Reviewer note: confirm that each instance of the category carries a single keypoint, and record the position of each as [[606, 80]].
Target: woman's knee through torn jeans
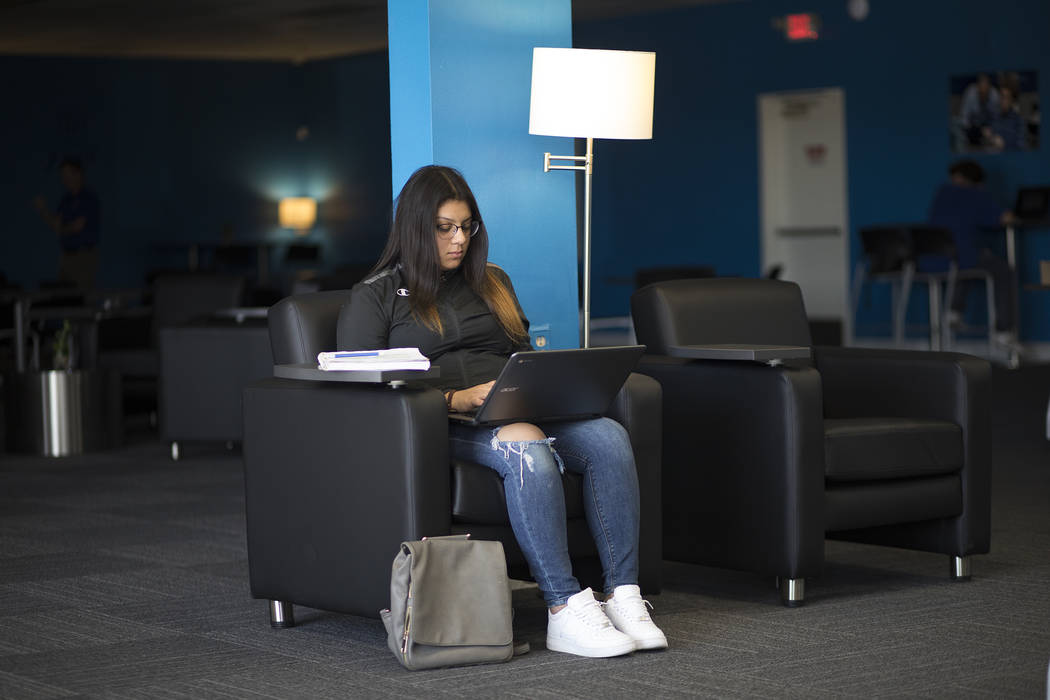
[[600, 451]]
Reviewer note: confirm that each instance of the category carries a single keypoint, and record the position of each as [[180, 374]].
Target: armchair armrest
[[861, 382], [739, 351], [337, 475], [637, 407], [946, 386], [743, 482]]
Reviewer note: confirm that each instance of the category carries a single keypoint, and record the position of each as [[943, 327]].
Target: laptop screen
[[556, 384]]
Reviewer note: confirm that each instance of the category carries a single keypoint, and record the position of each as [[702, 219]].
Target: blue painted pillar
[[460, 74]]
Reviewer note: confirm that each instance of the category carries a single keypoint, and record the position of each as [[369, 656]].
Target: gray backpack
[[449, 603]]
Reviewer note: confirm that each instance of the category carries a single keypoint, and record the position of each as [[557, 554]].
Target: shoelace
[[630, 602], [594, 616]]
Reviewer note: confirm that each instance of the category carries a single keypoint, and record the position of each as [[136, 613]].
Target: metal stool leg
[[935, 314], [949, 299], [900, 311], [989, 294], [857, 290]]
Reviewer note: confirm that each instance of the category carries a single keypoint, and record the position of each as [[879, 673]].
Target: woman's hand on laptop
[[466, 400]]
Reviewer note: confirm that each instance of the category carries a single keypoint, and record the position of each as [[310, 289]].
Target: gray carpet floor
[[124, 575]]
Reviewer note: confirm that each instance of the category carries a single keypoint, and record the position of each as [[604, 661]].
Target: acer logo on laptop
[[508, 388]]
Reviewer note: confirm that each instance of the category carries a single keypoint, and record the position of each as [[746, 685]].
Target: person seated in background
[[963, 206], [1007, 130], [76, 221], [434, 288]]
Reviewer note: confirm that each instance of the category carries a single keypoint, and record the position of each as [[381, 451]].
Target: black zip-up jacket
[[473, 348]]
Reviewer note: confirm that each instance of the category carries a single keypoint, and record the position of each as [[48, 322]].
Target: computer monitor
[[1033, 204]]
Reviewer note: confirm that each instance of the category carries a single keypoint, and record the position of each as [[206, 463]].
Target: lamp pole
[[588, 171], [590, 93]]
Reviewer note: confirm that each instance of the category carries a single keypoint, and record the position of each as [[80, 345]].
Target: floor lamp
[[591, 94]]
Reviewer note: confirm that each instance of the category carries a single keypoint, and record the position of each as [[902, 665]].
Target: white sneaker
[[626, 610], [582, 628]]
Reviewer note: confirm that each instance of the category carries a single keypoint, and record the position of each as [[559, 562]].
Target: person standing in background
[[76, 220]]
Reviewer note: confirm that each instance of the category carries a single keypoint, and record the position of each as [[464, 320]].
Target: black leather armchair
[[761, 462], [337, 475]]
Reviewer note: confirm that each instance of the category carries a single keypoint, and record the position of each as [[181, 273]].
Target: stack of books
[[372, 360]]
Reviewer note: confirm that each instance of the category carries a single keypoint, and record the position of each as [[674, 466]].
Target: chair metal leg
[[989, 292], [949, 298], [935, 314], [792, 591], [857, 290], [895, 303], [900, 312], [174, 451], [282, 614], [960, 568], [1048, 420]]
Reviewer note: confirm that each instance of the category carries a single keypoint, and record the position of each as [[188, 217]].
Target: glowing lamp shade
[[299, 213], [590, 93]]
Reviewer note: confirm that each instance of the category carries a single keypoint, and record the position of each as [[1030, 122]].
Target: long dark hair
[[412, 243]]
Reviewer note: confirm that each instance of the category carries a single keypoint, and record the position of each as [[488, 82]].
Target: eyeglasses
[[448, 230]]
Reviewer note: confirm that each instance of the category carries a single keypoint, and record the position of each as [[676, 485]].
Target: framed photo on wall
[[994, 111]]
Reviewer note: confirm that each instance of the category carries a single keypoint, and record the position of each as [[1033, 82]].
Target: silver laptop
[[552, 385]]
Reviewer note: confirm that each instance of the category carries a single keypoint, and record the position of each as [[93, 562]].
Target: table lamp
[[299, 213], [590, 93]]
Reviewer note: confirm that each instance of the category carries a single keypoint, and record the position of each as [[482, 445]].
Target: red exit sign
[[804, 26]]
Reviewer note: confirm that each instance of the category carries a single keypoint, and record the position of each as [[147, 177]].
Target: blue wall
[[460, 75], [178, 150], [691, 194], [185, 151]]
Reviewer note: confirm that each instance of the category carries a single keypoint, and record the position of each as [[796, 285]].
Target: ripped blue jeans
[[600, 451]]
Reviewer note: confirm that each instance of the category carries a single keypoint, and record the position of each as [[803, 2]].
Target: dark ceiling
[[273, 30]]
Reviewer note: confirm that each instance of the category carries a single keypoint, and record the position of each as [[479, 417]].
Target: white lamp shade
[[299, 213], [592, 93]]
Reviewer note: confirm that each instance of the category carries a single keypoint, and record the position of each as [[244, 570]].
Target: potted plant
[[62, 348]]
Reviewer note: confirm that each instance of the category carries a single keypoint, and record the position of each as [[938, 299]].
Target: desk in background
[[87, 307]]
